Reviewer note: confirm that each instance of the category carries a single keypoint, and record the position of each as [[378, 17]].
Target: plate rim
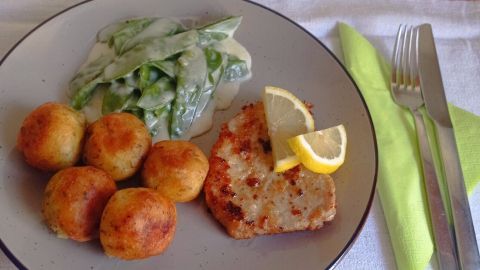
[[359, 227]]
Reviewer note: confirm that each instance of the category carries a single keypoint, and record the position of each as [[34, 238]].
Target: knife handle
[[442, 231], [462, 219]]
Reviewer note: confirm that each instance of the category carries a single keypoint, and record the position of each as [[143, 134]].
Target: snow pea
[[159, 28], [166, 66], [86, 80], [116, 97], [191, 76], [157, 95], [130, 29], [147, 75], [236, 69], [157, 120], [218, 30], [152, 50]]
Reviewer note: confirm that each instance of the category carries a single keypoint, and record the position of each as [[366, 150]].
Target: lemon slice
[[287, 116], [321, 151]]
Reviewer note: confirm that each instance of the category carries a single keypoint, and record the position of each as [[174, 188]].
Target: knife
[[436, 105]]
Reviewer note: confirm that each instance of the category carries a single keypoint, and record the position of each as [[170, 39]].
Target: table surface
[[378, 20]]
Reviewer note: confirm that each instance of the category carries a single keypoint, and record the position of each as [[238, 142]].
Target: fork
[[406, 92]]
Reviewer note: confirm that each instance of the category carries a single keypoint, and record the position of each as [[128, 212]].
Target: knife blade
[[436, 105]]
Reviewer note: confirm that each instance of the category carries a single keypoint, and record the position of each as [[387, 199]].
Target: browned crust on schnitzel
[[245, 195]]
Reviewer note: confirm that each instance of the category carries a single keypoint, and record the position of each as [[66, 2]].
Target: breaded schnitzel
[[248, 198]]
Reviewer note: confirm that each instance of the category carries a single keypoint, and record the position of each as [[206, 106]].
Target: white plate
[[39, 68]]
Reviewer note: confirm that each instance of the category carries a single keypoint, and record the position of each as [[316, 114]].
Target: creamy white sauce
[[93, 110], [162, 131], [224, 94], [226, 91], [231, 46], [201, 124], [98, 50]]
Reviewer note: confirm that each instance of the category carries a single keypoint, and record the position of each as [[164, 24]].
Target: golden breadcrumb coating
[[137, 223], [177, 169], [117, 143], [51, 137], [74, 201], [248, 198]]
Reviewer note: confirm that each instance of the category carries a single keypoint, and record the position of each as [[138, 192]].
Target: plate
[[39, 68]]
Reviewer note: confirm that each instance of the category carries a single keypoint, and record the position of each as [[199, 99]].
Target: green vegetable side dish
[[160, 71]]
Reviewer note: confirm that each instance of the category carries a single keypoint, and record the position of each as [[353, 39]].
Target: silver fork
[[406, 92]]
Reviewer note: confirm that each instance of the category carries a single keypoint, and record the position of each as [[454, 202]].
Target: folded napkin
[[400, 179]]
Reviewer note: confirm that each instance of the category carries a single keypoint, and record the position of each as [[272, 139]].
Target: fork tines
[[404, 62]]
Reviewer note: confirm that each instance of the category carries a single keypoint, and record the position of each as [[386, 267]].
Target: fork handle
[[442, 231]]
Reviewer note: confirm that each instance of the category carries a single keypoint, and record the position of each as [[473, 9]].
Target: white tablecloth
[[456, 27]]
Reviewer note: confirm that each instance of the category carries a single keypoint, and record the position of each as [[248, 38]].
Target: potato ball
[[117, 143], [51, 137], [137, 223], [74, 201], [177, 169]]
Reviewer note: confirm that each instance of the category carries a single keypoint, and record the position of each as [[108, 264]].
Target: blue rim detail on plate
[[359, 228]]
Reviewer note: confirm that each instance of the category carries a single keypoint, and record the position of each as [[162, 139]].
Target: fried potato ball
[[51, 137], [177, 169], [137, 223], [117, 143], [74, 201]]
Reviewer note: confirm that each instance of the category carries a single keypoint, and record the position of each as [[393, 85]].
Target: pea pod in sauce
[[170, 76]]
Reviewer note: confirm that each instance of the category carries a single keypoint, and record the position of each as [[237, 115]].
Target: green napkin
[[400, 179]]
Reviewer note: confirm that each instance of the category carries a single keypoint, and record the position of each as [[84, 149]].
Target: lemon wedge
[[321, 151], [287, 116]]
